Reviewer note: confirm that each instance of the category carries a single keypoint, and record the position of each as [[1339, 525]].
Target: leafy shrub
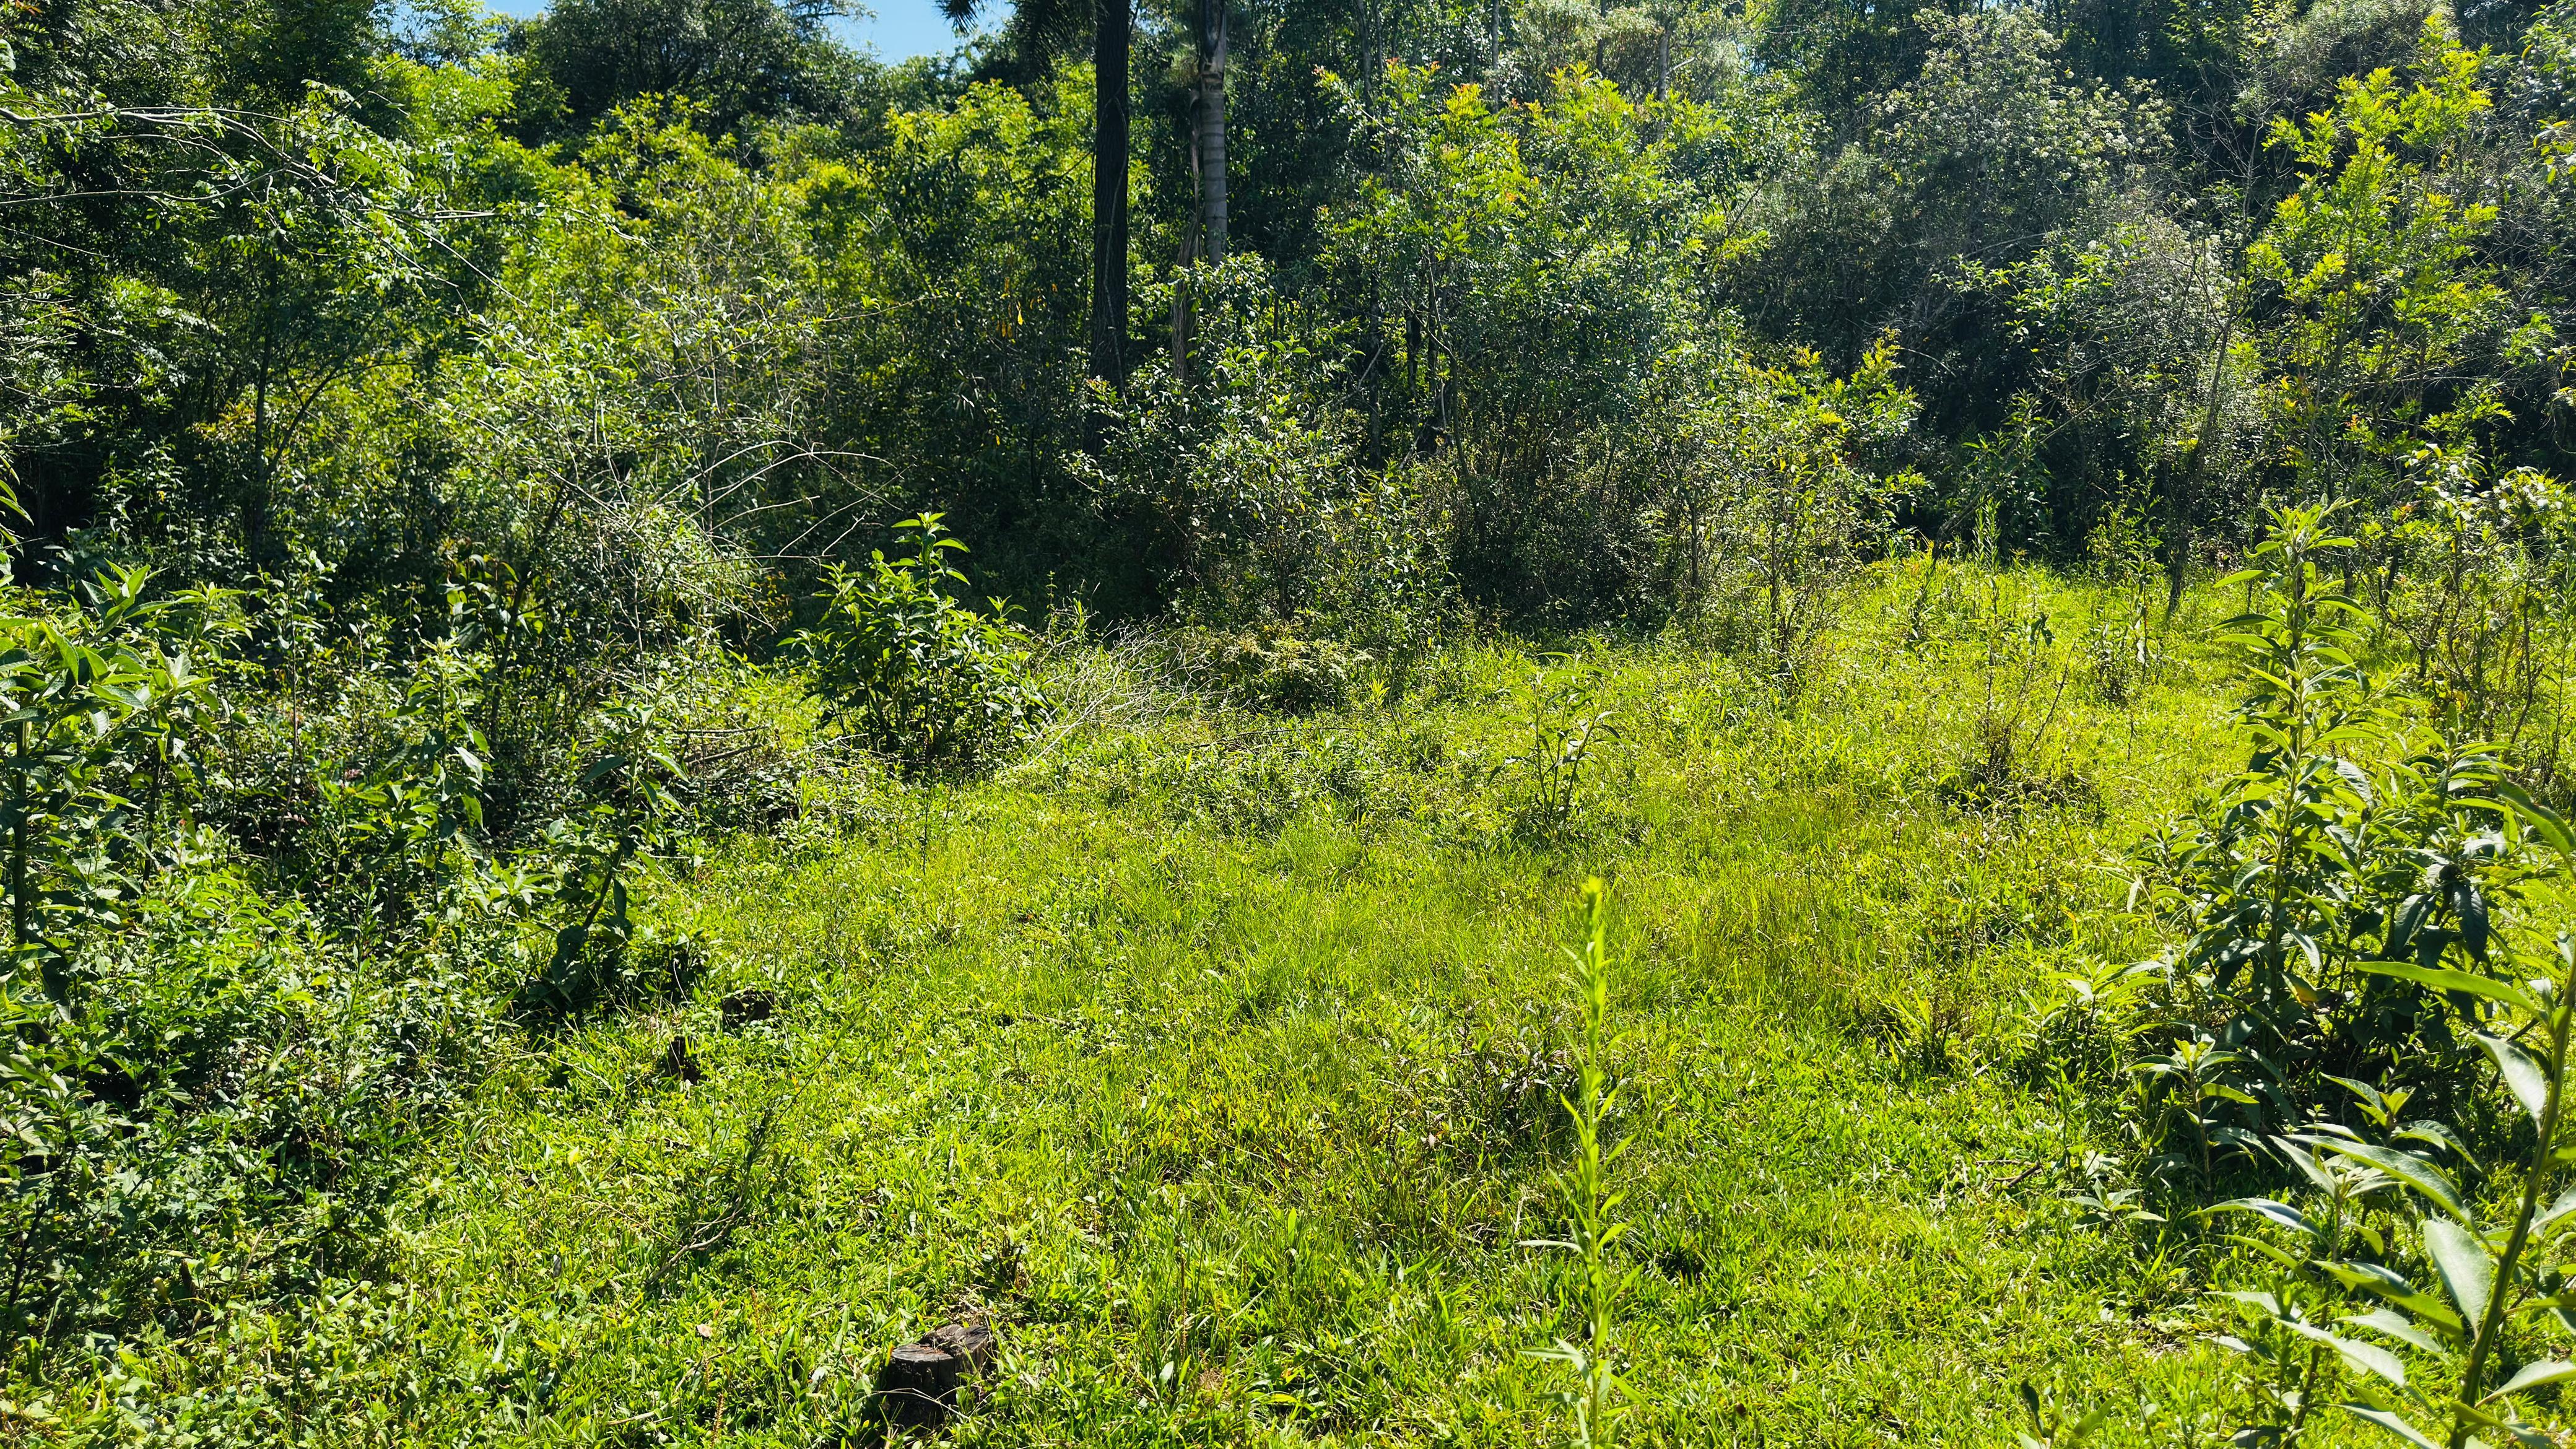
[[625, 966], [2347, 840], [914, 674], [1567, 725], [196, 1052], [2354, 851], [1271, 669], [2472, 576], [1248, 466], [108, 706]]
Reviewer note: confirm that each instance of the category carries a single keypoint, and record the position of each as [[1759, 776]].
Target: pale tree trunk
[[1211, 119]]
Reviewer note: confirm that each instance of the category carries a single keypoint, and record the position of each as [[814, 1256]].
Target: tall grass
[[1209, 1040]]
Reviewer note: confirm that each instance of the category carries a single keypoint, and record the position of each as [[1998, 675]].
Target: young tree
[[2369, 277]]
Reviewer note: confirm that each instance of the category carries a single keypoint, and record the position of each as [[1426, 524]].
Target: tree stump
[[743, 1008], [919, 1386], [971, 1344], [678, 1063]]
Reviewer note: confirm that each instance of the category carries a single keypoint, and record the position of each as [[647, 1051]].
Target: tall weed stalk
[[1589, 1200]]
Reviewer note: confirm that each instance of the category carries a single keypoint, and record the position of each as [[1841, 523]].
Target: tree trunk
[[2186, 492], [1211, 119], [1113, 23]]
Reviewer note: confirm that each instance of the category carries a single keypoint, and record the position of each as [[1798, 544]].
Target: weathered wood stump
[[971, 1344], [743, 1008], [919, 1386], [677, 1062]]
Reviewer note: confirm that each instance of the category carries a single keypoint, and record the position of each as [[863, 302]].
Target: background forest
[[662, 682]]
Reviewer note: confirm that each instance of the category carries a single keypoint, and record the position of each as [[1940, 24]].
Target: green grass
[[1213, 1057]]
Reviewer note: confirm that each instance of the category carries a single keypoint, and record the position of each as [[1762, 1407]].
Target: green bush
[[2349, 839], [204, 1049], [918, 677], [1273, 670]]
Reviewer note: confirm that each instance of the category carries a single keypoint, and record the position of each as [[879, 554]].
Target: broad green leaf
[[2416, 1172], [2444, 978], [2532, 1375], [2440, 1135], [2278, 1212], [2397, 1326], [2527, 1079], [2468, 1275], [2393, 1424], [2253, 1297], [2543, 821], [2367, 1358], [2383, 1282], [2292, 1261]]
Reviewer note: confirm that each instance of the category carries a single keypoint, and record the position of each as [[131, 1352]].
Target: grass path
[[1215, 1061]]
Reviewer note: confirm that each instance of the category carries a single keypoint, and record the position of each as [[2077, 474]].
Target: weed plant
[[1590, 1201]]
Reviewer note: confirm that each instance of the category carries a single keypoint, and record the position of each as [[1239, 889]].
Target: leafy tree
[[1112, 26], [740, 59], [2373, 297], [952, 270], [1523, 268]]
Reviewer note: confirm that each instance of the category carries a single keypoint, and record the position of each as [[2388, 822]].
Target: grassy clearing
[[1215, 1056]]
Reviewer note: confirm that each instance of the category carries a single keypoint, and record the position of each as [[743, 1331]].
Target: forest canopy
[[302, 295]]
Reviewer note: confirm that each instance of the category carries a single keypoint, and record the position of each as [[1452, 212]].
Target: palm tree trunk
[[1211, 119]]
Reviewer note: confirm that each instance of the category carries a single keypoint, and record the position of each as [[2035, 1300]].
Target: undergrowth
[[1215, 1056]]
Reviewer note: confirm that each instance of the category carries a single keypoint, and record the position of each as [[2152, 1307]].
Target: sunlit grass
[[1215, 1059]]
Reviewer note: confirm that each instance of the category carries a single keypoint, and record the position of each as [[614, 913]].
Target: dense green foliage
[[551, 900], [919, 678]]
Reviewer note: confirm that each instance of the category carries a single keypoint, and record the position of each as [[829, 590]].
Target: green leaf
[[2367, 1358], [2254, 1298], [2397, 1326], [2544, 822], [2416, 1172], [2444, 978], [2264, 1207], [2440, 1135], [2531, 1376], [2527, 1078], [2393, 1424], [2468, 1275], [2381, 1282]]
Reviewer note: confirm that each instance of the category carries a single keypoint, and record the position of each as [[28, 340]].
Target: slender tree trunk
[[19, 914], [1113, 23], [1181, 305], [1211, 119], [2186, 494]]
